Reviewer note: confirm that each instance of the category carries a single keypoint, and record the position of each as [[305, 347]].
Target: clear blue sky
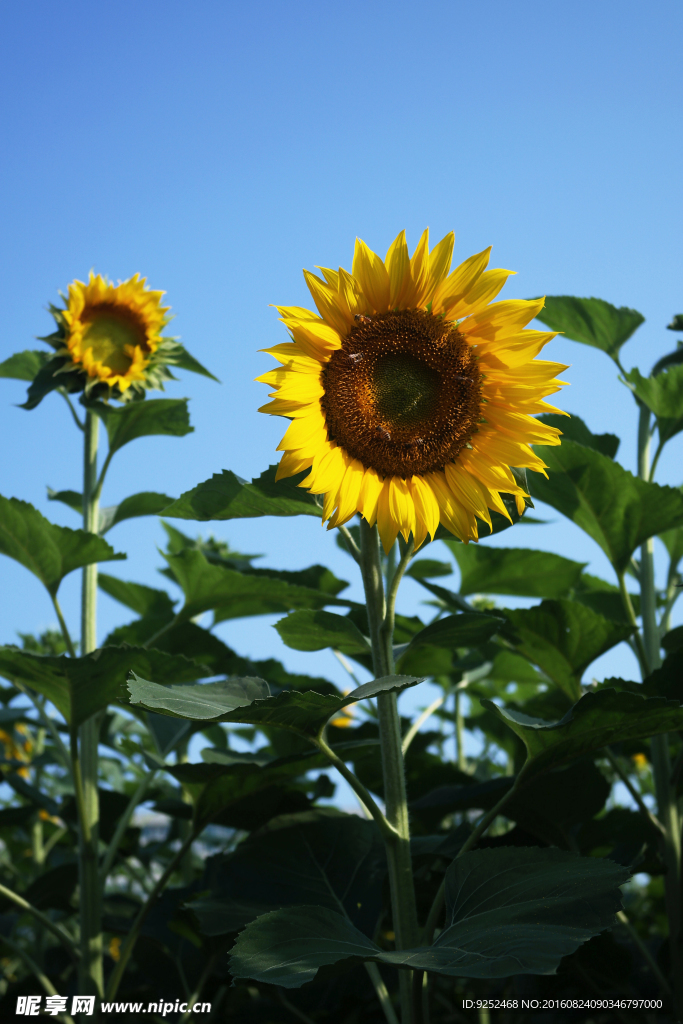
[[218, 148]]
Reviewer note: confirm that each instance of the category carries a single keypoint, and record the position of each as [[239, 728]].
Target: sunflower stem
[[91, 973], [380, 621], [667, 804]]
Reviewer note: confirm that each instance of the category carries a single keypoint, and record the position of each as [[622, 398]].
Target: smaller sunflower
[[113, 330]]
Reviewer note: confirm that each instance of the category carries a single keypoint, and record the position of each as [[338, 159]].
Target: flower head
[[410, 393]]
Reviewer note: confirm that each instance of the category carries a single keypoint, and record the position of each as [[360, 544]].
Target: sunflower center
[[111, 333], [403, 393]]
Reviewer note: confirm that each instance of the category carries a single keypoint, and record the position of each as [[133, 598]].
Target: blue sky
[[218, 148]]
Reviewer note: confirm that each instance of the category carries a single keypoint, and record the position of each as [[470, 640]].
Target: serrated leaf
[[663, 395], [598, 719], [305, 713], [228, 496], [146, 601], [309, 630], [23, 365], [143, 419], [563, 638], [591, 321], [336, 863], [72, 499], [208, 701], [146, 503], [234, 594], [604, 598], [465, 630], [79, 687], [508, 911], [520, 571], [177, 355], [619, 511], [50, 552], [574, 429]]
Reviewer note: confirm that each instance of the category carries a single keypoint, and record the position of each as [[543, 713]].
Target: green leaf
[[142, 419], [598, 719], [205, 701], [72, 499], [673, 640], [334, 862], [49, 551], [508, 911], [603, 597], [305, 713], [177, 355], [591, 321], [616, 509], [574, 429], [50, 376], [309, 630], [519, 571], [237, 594], [228, 496], [143, 600], [673, 542], [426, 568], [23, 365], [663, 395], [563, 638], [146, 503], [465, 630], [79, 687]]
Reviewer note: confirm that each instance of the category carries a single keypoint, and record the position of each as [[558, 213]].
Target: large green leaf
[[314, 630], [145, 503], [143, 600], [335, 862], [23, 365], [465, 630], [563, 638], [228, 496], [616, 509], [663, 395], [141, 419], [49, 551], [176, 354], [305, 713], [574, 429], [598, 719], [508, 911], [519, 571], [79, 687], [603, 597], [236, 594], [591, 321]]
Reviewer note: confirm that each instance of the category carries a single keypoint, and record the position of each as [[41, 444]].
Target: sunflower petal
[[372, 275], [398, 267]]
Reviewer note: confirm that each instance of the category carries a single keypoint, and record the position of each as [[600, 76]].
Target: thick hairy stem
[[667, 805], [388, 831], [404, 912], [91, 979]]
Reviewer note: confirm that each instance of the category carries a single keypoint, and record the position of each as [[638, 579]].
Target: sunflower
[[410, 393], [112, 331]]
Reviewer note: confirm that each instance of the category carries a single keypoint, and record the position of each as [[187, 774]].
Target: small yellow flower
[[640, 761], [115, 948], [411, 394]]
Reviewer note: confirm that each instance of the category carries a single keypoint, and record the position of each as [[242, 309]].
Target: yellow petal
[[351, 296], [457, 284], [290, 464], [316, 338], [370, 272], [486, 289], [416, 283], [303, 430], [289, 353], [516, 350], [501, 318], [368, 496], [454, 517], [349, 492], [300, 387], [326, 299], [468, 492], [398, 267], [402, 506], [386, 523], [440, 262], [426, 507], [522, 427]]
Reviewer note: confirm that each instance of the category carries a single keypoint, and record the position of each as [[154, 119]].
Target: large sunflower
[[410, 395], [112, 331]]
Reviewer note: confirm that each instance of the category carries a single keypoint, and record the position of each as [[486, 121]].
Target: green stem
[[122, 825], [381, 990], [194, 998], [73, 412], [129, 945], [403, 907], [42, 978], [56, 930], [647, 955], [459, 731], [642, 806], [92, 977], [63, 626], [419, 722], [667, 805], [388, 831], [351, 545]]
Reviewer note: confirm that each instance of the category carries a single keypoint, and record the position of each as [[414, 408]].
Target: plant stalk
[[91, 978], [380, 621]]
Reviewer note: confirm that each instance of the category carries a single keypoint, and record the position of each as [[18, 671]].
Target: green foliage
[[23, 365], [50, 552], [314, 631], [619, 511], [574, 429], [227, 496], [125, 423], [663, 395], [591, 321], [485, 570]]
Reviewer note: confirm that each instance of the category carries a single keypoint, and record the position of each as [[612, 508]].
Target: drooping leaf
[[305, 713], [205, 701], [520, 571], [596, 720], [508, 911], [72, 499], [236, 594], [616, 509], [143, 600], [23, 365], [228, 496], [591, 321], [146, 503], [177, 355], [563, 638], [47, 550], [142, 419], [426, 568], [663, 395], [465, 630], [308, 630], [51, 376], [603, 597], [334, 862], [79, 687], [574, 429]]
